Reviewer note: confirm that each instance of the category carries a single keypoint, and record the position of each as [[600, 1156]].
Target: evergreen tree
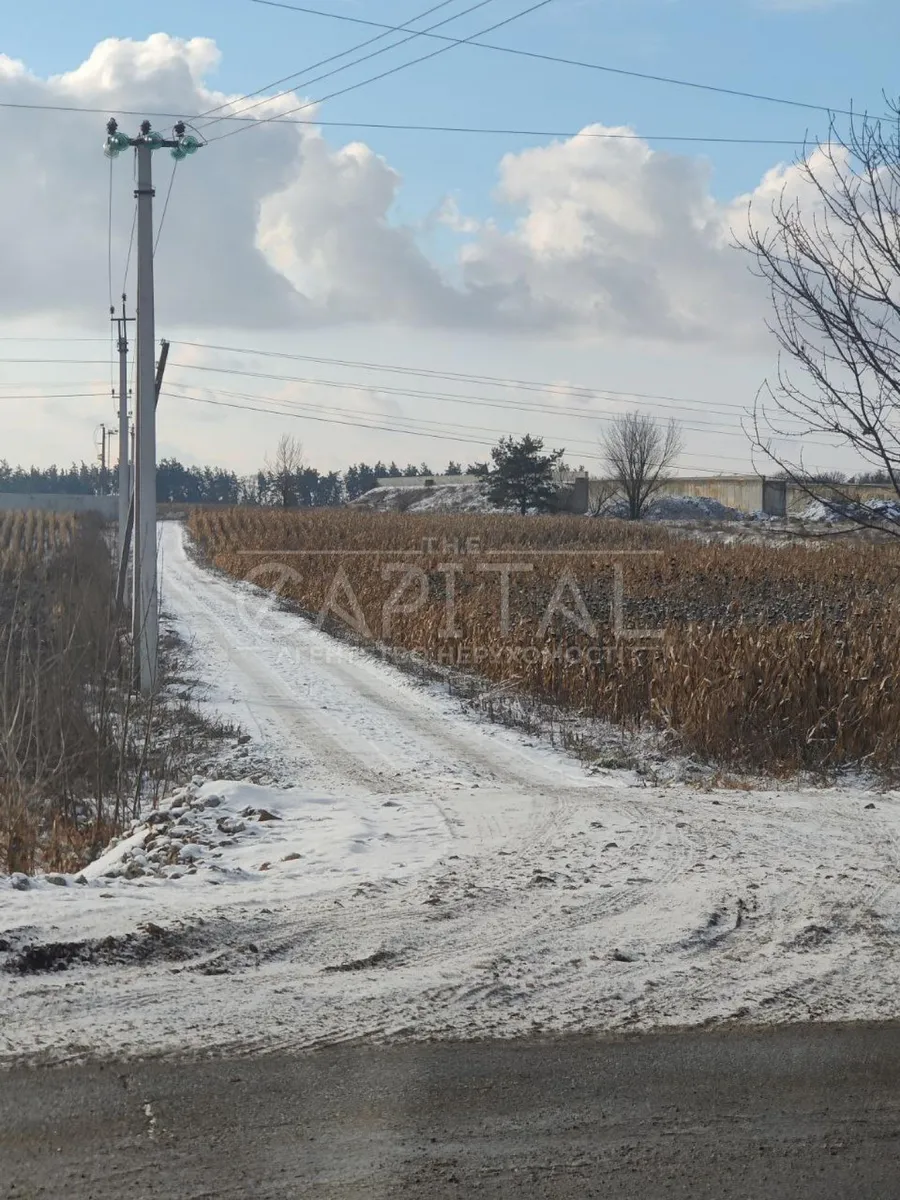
[[523, 475], [361, 478]]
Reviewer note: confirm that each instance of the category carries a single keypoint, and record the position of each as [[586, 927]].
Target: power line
[[542, 133], [480, 401], [412, 128], [59, 396], [324, 420], [392, 70], [573, 62], [604, 416], [475, 401], [130, 248], [162, 219], [343, 54], [694, 425], [415, 423], [323, 61], [43, 384], [529, 385], [312, 416]]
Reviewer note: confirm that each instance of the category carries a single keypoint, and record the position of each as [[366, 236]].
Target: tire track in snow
[[513, 928]]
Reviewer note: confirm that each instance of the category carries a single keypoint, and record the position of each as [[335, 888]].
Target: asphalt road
[[805, 1111]]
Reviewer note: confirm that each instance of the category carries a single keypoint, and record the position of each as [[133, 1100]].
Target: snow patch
[[845, 510], [449, 498], [225, 832]]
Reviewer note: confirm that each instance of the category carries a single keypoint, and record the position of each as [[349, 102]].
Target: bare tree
[[284, 468], [638, 453], [830, 252], [602, 494]]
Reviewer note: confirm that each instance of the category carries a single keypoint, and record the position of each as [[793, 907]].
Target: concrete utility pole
[[124, 470], [145, 613], [146, 600], [129, 523], [110, 434]]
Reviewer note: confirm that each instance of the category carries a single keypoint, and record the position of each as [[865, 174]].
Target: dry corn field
[[757, 656], [29, 536]]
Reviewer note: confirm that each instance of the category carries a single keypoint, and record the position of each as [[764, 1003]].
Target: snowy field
[[409, 872]]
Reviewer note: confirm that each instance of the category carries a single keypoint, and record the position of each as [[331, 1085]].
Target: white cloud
[[448, 214], [53, 222], [276, 228], [617, 238]]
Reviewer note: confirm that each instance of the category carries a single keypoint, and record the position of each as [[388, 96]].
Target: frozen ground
[[412, 873]]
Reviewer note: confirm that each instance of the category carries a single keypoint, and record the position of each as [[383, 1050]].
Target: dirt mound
[[449, 498]]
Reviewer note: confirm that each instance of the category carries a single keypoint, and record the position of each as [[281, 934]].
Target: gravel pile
[[679, 508], [188, 835]]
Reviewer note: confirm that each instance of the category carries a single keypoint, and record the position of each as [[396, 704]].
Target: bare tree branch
[[830, 252]]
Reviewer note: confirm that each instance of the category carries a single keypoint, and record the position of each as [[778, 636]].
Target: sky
[[576, 277]]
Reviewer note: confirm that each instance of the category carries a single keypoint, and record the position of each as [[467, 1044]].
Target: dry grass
[[766, 657], [78, 751]]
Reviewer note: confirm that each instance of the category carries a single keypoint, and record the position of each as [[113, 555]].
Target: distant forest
[[177, 483]]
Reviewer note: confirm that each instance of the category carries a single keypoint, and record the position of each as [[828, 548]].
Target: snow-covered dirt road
[[413, 873]]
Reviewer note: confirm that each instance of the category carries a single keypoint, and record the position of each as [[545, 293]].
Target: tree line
[[292, 485]]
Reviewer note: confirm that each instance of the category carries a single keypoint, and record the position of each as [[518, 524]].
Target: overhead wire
[[574, 62], [162, 219], [451, 397], [134, 217], [570, 134], [288, 410], [334, 58], [417, 424], [458, 129], [355, 62], [13, 385], [391, 71], [604, 416], [130, 249], [57, 396], [92, 362], [466, 377], [13, 337]]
